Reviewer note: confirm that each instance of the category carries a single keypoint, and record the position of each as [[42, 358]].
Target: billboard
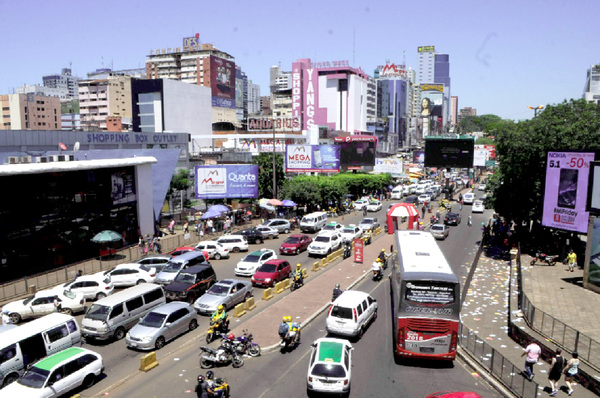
[[222, 73], [312, 158], [483, 154], [592, 276], [565, 190], [226, 181], [449, 152], [388, 165], [593, 197], [357, 151], [419, 157]]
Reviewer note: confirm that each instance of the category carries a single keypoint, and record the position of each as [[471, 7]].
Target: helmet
[[288, 318], [383, 250], [298, 266], [220, 308], [231, 336], [285, 318], [201, 379], [210, 375], [337, 285]]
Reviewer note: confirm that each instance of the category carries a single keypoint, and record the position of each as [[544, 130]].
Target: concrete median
[[148, 362], [239, 310]]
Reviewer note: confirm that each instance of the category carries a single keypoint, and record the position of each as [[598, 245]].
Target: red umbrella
[[275, 202]]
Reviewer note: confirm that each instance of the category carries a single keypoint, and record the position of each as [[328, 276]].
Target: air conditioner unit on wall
[[13, 159], [41, 159], [53, 158], [26, 159]]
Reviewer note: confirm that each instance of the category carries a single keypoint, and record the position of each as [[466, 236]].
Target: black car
[[452, 219], [191, 283], [252, 235], [413, 199]]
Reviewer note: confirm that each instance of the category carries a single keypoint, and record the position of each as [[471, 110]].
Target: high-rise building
[[253, 99], [58, 92], [29, 112], [453, 111], [591, 91], [103, 98], [434, 81], [65, 81]]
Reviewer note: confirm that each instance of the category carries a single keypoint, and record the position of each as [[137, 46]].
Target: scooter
[[290, 339], [544, 258], [377, 272], [216, 327], [367, 237], [224, 355], [296, 282]]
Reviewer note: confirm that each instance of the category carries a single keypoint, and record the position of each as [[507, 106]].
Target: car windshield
[[328, 370], [325, 239], [437, 228], [268, 268], [329, 228], [348, 231], [374, 203], [367, 221], [69, 294], [291, 240], [172, 267], [98, 312], [251, 258], [153, 320], [219, 290], [185, 278], [34, 377]]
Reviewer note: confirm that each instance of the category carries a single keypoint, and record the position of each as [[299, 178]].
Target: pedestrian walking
[[141, 244], [172, 227], [469, 221], [186, 227], [155, 243], [571, 260], [57, 304], [571, 370], [556, 368], [460, 197], [158, 246], [533, 352], [461, 204]]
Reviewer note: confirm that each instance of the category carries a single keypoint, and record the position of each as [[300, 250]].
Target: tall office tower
[[591, 91]]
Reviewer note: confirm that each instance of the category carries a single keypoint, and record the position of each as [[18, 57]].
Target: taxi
[[330, 366]]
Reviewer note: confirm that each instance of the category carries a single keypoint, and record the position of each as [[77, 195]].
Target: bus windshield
[[429, 293]]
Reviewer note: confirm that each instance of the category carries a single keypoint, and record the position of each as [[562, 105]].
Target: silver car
[[280, 224], [228, 293], [162, 324], [439, 231]]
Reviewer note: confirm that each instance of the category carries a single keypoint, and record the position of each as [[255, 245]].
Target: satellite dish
[[76, 147], [62, 146]]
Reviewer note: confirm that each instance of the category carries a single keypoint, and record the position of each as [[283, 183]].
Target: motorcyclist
[[383, 258], [347, 249], [200, 389], [220, 317], [211, 385], [367, 236], [336, 292], [298, 274], [289, 330], [377, 267]]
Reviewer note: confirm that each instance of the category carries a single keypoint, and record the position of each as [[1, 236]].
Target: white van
[[412, 188], [234, 243], [313, 222], [468, 198], [398, 192], [112, 316], [350, 313], [23, 345]]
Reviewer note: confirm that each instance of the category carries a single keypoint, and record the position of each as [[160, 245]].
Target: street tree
[[265, 173]]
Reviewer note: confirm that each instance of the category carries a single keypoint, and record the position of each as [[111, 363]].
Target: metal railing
[[496, 364]]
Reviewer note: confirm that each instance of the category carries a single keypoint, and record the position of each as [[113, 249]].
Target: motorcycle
[[377, 272], [216, 327], [367, 237], [245, 345], [347, 250], [296, 282], [225, 354], [290, 339], [544, 258], [433, 219], [222, 385]]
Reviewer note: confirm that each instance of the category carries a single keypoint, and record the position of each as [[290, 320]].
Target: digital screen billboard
[[312, 158], [226, 181], [388, 165], [449, 152], [419, 157], [222, 74], [565, 192], [357, 151]]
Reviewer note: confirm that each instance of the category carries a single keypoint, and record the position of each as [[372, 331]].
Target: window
[[72, 326], [86, 360], [359, 310], [153, 295], [134, 304], [57, 333], [365, 305], [177, 315], [71, 367], [8, 353], [116, 311]]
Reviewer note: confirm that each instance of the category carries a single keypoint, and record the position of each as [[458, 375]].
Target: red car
[[271, 272], [294, 244], [180, 250], [454, 394]]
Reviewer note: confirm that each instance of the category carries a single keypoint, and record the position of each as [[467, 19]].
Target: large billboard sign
[[449, 152], [278, 124], [388, 165], [312, 158], [483, 154], [226, 181], [566, 190], [357, 151], [222, 74]]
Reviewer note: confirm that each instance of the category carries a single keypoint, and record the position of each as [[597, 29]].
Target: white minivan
[[468, 198], [23, 345], [313, 222], [398, 192], [350, 313]]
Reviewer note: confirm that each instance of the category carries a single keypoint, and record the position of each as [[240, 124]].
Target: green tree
[[180, 182], [521, 152], [265, 173]]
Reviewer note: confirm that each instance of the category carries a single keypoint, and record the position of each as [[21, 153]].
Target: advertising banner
[[358, 250], [312, 158], [566, 190], [226, 181], [222, 74], [388, 165], [593, 273], [480, 156]]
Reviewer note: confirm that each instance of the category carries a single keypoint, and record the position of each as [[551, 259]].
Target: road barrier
[[239, 310], [278, 288], [250, 304], [286, 283], [148, 362], [267, 294], [304, 273], [323, 262], [377, 231], [315, 266]]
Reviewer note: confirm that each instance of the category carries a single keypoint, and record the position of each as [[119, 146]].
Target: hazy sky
[[504, 54]]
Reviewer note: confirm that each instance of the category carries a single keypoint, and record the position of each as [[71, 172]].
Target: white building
[[591, 91]]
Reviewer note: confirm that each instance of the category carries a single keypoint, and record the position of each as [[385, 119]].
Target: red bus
[[425, 299]]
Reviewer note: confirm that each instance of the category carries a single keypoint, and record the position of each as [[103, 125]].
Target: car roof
[[329, 233], [297, 236], [52, 361], [259, 252], [168, 308], [128, 265], [196, 268], [231, 236], [276, 261], [229, 282], [330, 349], [350, 297]]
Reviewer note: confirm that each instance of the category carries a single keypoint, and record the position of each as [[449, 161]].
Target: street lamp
[[535, 109]]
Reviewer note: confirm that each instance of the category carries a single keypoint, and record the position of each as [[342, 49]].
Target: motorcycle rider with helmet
[[383, 257], [220, 318], [211, 385], [201, 391], [377, 269], [336, 292], [298, 274], [289, 330]]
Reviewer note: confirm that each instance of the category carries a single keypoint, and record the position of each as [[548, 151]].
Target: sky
[[505, 55]]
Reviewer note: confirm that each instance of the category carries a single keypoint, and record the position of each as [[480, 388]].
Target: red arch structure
[[397, 212]]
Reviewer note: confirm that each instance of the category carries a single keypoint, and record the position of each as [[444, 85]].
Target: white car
[[215, 249], [42, 303], [330, 366], [360, 204], [350, 233], [424, 198], [129, 274], [325, 243], [252, 262], [482, 187], [158, 262], [268, 232], [478, 207], [58, 374], [93, 287], [374, 205], [332, 226]]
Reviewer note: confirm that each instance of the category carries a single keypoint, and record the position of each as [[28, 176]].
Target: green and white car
[[57, 374], [330, 366]]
